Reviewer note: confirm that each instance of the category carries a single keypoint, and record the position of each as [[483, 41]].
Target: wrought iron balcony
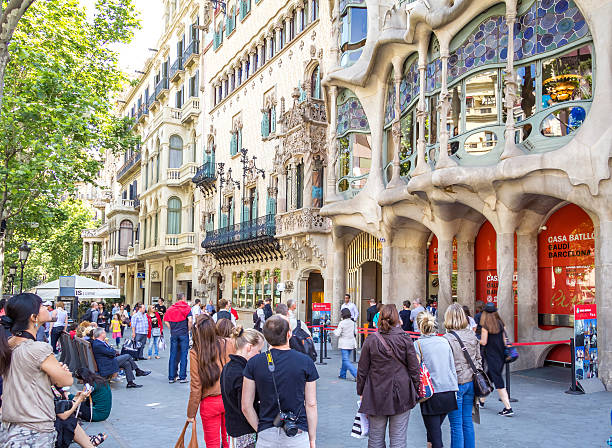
[[190, 52], [176, 69], [161, 88], [205, 175], [248, 241], [128, 165]]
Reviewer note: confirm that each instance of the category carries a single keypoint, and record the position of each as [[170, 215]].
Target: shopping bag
[[161, 345], [193, 443], [361, 425]]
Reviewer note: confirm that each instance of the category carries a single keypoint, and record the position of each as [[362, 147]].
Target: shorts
[[276, 438], [17, 436]]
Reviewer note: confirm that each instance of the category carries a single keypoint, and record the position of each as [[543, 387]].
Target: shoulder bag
[[510, 353], [482, 384], [426, 390], [193, 442]]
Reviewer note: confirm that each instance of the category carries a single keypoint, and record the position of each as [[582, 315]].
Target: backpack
[[256, 321], [224, 314], [303, 343], [267, 311]]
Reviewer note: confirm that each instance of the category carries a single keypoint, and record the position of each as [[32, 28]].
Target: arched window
[[176, 152], [126, 231], [174, 216], [315, 84]]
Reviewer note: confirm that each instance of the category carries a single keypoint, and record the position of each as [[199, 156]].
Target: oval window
[[480, 143], [562, 122]]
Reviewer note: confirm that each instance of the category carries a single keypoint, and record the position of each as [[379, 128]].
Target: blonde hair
[[59, 304], [243, 337], [454, 318], [151, 308], [426, 322]]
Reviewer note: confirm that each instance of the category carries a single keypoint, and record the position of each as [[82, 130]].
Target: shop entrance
[[314, 292], [155, 291], [364, 272], [432, 271]]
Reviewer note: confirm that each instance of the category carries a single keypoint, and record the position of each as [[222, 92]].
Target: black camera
[[287, 421]]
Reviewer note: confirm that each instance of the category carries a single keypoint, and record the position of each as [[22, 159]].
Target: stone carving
[[304, 220], [303, 249], [209, 265]]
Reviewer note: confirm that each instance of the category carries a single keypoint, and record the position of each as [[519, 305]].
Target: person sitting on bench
[[109, 363]]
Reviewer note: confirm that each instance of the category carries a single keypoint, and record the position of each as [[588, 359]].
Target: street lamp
[[24, 252], [11, 276]]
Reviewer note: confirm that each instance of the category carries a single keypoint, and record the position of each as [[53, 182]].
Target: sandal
[[157, 357], [96, 440]]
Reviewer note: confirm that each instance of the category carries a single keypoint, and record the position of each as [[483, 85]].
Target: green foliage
[[56, 243], [57, 114]]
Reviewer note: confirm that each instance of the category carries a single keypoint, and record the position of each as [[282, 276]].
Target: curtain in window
[[176, 152], [174, 216], [125, 236]]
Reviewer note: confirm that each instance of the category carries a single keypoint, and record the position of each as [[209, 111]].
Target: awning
[[85, 289]]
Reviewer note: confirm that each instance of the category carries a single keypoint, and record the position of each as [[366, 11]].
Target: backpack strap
[[467, 356]]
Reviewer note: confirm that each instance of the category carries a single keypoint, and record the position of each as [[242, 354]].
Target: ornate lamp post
[[248, 168], [223, 180], [24, 253]]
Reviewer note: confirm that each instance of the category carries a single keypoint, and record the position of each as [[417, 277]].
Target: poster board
[[321, 315], [585, 341]]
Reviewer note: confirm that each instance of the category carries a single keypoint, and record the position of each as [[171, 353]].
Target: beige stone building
[[470, 161], [147, 241], [266, 124]]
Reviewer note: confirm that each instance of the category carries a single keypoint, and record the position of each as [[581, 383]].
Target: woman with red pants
[[207, 358]]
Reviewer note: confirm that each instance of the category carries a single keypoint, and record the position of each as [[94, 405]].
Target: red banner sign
[[585, 311], [321, 306]]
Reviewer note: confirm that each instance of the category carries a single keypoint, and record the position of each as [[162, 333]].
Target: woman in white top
[[28, 369], [346, 342], [59, 317]]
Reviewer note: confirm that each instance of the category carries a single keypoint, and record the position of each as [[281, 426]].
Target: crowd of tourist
[[258, 398]]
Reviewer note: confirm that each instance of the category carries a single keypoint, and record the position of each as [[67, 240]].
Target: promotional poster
[[585, 340], [321, 315]]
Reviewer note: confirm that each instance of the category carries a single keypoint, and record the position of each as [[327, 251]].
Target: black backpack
[[256, 321], [301, 342]]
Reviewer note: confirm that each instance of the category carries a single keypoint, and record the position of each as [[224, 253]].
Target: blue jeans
[[179, 347], [462, 428], [154, 343], [347, 364]]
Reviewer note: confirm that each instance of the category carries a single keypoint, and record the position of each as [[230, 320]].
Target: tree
[[57, 113], [56, 244]]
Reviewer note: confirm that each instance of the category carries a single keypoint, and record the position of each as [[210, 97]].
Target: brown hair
[[222, 304], [59, 304], [209, 350], [491, 322], [224, 328], [455, 318], [388, 318], [275, 330]]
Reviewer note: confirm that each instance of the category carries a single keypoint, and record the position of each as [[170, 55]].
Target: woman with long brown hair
[[388, 380], [493, 339], [209, 354]]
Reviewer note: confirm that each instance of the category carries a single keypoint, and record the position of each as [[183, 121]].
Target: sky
[[133, 56]]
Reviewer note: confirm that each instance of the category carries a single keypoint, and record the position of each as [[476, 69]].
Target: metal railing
[[176, 66], [192, 48], [260, 228], [205, 173], [180, 239], [161, 86], [129, 164]]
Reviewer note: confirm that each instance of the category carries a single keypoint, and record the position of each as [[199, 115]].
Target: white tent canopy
[[85, 289]]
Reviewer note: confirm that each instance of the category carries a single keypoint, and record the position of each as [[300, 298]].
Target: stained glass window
[[351, 116], [390, 105]]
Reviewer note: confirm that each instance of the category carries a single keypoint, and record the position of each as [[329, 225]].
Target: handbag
[[193, 443], [156, 331], [426, 389], [161, 345], [510, 353], [482, 383], [361, 424]]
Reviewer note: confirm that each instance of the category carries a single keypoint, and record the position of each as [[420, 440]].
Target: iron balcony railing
[[176, 66], [161, 85], [129, 164], [206, 173], [151, 99], [263, 228], [193, 48]]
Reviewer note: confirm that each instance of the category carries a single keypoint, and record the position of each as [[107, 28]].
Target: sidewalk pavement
[[544, 416]]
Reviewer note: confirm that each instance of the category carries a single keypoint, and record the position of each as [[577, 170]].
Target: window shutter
[[231, 217], [233, 144], [254, 211], [273, 118], [197, 83], [239, 147], [263, 124]]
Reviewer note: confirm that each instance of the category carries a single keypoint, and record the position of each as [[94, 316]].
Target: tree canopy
[[57, 112]]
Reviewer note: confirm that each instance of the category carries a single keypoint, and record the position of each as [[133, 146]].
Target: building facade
[[266, 144], [471, 161], [147, 242]]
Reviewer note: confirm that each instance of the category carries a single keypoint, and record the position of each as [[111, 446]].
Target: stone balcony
[[129, 206], [180, 242], [168, 115], [191, 110], [100, 232], [181, 176], [300, 222]]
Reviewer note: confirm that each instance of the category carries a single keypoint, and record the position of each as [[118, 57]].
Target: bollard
[[512, 400], [354, 355], [573, 390], [321, 362]]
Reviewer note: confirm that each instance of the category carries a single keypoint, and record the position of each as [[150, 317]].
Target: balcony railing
[[128, 165], [181, 240], [192, 50], [191, 109], [262, 228], [205, 174], [176, 67], [161, 86]]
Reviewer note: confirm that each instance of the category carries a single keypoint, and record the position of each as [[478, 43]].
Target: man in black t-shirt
[[160, 307], [371, 312], [294, 374], [404, 315]]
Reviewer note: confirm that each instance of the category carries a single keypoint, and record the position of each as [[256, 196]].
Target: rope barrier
[[518, 344]]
